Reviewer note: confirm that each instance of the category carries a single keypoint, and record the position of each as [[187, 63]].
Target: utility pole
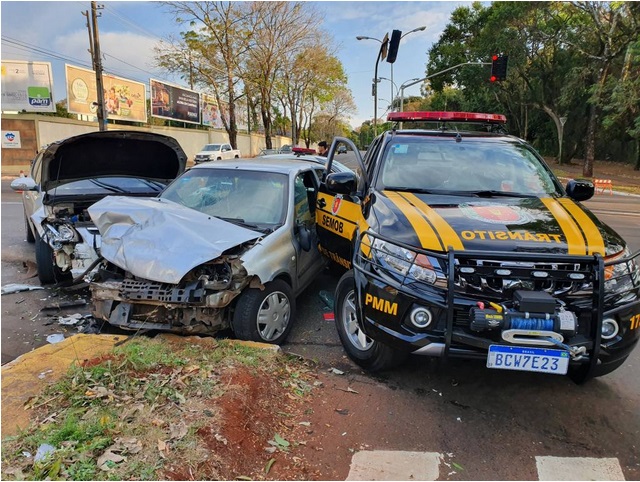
[[94, 43]]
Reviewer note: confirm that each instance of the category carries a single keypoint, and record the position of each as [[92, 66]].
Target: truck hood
[[160, 240], [112, 153], [437, 222]]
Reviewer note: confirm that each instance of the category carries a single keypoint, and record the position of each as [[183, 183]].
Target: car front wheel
[[48, 271], [369, 354], [265, 315]]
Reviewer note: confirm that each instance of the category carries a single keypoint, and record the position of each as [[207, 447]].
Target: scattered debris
[[55, 338], [335, 371], [65, 304], [43, 451], [43, 375], [342, 411], [327, 298], [70, 320], [17, 288], [348, 390], [330, 316]]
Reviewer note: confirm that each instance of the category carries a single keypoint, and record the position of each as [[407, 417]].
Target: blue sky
[[129, 30]]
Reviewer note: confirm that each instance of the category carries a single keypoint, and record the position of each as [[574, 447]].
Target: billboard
[[212, 113], [171, 102], [27, 86], [124, 99]]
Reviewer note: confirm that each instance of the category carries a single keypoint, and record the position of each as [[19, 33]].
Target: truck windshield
[[469, 165], [211, 147]]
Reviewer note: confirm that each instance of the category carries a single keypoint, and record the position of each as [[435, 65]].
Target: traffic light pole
[[433, 75]]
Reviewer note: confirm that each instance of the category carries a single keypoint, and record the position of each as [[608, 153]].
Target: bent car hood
[[435, 222], [160, 240], [112, 153]]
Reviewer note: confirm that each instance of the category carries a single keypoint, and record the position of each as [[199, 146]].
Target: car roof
[[321, 160], [279, 164]]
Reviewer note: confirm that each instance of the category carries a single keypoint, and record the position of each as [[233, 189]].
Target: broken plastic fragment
[[55, 338], [17, 288], [327, 298], [43, 451]]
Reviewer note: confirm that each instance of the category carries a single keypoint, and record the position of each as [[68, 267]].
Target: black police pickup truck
[[462, 243]]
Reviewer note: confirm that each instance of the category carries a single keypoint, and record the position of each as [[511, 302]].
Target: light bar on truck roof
[[302, 150], [443, 116]]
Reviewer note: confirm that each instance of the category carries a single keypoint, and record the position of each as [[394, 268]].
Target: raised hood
[[112, 153], [160, 240], [554, 225]]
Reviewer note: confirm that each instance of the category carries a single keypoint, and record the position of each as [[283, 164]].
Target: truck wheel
[[236, 157], [265, 315], [219, 159], [369, 354], [27, 230], [48, 271]]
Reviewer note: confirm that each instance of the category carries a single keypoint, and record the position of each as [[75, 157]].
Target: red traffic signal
[[499, 67]]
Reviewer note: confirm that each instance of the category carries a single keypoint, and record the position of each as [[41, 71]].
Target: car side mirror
[[24, 184], [342, 182], [580, 189], [304, 236]]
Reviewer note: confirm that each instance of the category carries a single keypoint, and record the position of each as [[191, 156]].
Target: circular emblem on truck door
[[496, 213]]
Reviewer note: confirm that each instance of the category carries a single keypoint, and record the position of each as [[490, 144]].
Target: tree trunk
[[590, 141], [637, 166]]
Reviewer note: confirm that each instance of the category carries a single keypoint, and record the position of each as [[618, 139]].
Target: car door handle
[[321, 203]]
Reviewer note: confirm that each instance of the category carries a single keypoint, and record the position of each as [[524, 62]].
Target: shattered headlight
[[622, 276], [61, 234], [406, 263]]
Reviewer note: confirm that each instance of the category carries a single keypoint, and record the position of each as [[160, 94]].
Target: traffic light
[[393, 46], [498, 67]]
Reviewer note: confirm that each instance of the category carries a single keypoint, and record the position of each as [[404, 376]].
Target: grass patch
[[127, 415]]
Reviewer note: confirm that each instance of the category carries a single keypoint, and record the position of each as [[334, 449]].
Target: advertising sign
[[211, 115], [171, 102], [27, 86], [124, 99], [11, 140]]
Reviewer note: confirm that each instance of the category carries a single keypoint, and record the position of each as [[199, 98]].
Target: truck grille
[[495, 279]]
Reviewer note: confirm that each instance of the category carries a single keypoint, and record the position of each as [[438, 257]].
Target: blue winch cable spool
[[540, 324]]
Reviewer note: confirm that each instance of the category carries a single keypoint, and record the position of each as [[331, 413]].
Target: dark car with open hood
[[460, 242], [69, 175]]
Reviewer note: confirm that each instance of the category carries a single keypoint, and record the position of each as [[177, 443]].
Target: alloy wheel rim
[[273, 316], [354, 333]]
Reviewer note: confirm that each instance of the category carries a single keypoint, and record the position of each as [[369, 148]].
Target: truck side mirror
[[580, 189], [342, 182]]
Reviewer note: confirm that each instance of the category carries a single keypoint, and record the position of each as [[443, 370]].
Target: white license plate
[[529, 359]]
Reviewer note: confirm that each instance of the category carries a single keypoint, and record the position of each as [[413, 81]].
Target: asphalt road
[[491, 422]]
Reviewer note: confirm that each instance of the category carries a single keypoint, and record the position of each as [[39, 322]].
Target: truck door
[[339, 215]]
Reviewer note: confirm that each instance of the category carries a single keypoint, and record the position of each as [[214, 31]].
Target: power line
[[109, 9]]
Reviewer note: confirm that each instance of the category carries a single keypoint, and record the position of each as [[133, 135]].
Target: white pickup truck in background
[[216, 152]]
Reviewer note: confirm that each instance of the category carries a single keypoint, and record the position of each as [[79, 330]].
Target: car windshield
[[108, 185], [211, 147], [471, 164], [241, 196]]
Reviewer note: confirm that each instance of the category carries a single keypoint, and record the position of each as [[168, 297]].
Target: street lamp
[[393, 84], [402, 87], [383, 44]]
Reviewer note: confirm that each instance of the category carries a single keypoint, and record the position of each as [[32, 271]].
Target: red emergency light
[[443, 116], [302, 150]]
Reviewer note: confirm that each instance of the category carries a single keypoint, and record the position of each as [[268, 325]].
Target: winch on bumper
[[528, 309], [198, 304]]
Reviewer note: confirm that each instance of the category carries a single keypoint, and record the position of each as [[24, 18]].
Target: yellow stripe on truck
[[589, 228], [573, 235], [426, 234], [447, 234]]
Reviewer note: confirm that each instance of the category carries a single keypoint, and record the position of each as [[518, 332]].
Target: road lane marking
[[578, 468], [615, 213], [394, 465], [9, 202]]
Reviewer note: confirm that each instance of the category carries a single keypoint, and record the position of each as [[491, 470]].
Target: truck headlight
[[623, 275], [406, 263]]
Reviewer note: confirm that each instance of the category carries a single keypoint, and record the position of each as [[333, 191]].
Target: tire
[[27, 230], [219, 159], [48, 272], [265, 316], [236, 157], [369, 354]]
